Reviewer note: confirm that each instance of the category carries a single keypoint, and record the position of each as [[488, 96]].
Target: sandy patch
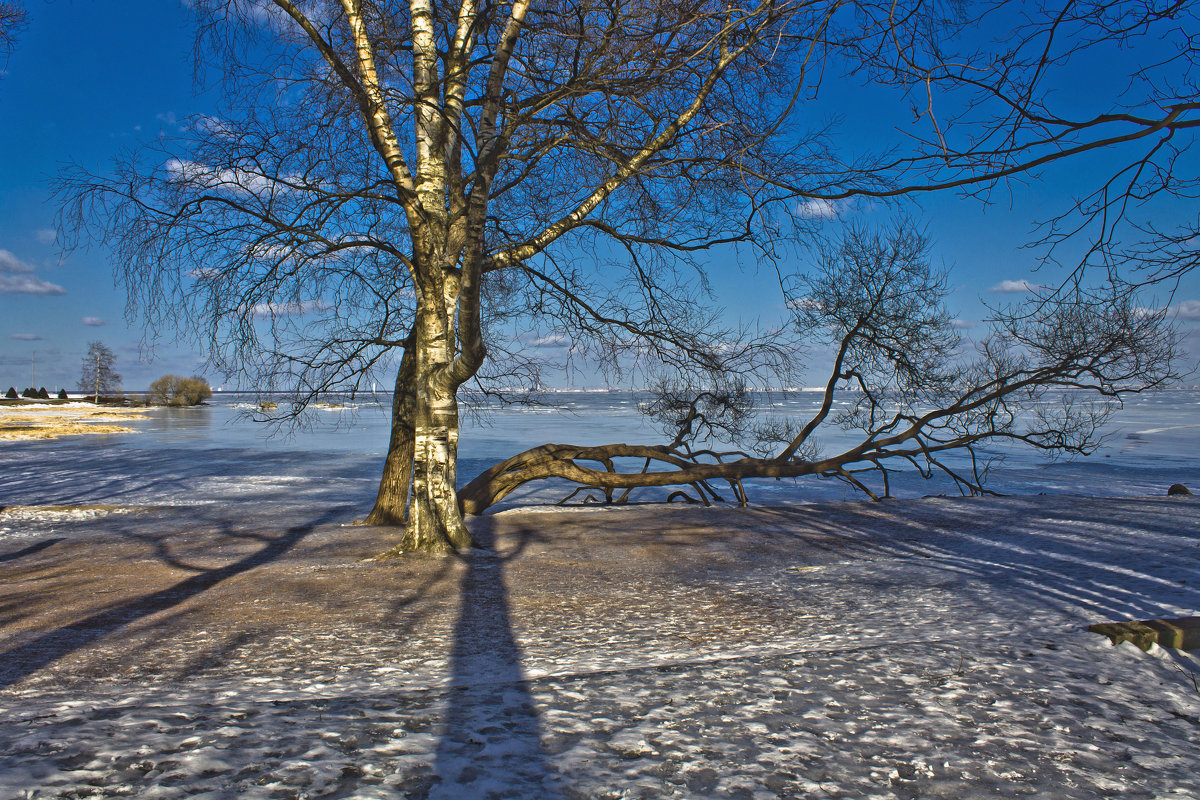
[[22, 423]]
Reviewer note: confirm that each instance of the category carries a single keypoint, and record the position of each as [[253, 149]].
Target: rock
[[1181, 633], [1178, 488]]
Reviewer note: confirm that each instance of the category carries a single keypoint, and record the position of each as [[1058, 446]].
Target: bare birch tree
[[402, 185]]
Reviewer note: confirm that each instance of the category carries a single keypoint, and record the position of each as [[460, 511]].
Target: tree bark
[[391, 502], [434, 522]]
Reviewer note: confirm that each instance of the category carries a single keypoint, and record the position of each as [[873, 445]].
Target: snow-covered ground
[[916, 648]]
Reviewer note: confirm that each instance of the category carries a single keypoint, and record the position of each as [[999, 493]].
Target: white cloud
[[814, 208], [16, 277], [45, 235], [95, 322], [961, 324], [214, 125], [1011, 287], [553, 340], [204, 273], [236, 180], [805, 303], [167, 117], [26, 337], [288, 309], [1188, 311]]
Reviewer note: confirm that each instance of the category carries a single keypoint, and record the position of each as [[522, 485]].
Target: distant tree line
[[39, 394]]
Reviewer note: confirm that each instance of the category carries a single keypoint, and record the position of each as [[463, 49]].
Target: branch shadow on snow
[[60, 642], [491, 745], [1045, 553], [36, 547]]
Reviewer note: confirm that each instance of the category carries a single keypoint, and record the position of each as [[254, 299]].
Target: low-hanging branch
[[915, 398]]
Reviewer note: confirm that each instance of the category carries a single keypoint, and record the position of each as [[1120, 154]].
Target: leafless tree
[[411, 185], [1045, 376], [396, 178], [97, 373], [12, 19]]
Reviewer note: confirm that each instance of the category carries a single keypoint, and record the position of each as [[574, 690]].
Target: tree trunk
[[434, 523], [391, 502]]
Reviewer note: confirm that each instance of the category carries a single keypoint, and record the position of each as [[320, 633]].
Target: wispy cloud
[[95, 322], [45, 235], [26, 337], [239, 181], [804, 303], [961, 324], [1187, 311], [813, 208], [553, 340], [1012, 287], [16, 277], [288, 309], [214, 125]]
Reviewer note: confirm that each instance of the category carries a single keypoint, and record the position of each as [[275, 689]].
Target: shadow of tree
[[53, 645], [36, 547], [491, 745]]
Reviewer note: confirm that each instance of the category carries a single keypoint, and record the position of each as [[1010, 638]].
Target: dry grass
[[32, 422]]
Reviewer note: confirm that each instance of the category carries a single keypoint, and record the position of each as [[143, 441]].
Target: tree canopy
[[173, 390]]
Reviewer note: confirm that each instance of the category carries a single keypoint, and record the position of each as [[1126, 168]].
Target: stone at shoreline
[[1178, 489], [1182, 633]]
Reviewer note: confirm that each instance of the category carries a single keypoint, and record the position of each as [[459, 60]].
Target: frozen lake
[[213, 453]]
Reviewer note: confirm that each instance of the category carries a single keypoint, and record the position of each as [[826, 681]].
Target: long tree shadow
[[53, 645], [492, 742]]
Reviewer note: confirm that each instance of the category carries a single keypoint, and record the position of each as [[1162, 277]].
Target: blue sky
[[85, 82]]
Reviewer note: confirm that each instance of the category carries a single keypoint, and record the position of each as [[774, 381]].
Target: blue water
[[214, 452]]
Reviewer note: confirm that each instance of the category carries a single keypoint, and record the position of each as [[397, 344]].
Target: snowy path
[[926, 648]]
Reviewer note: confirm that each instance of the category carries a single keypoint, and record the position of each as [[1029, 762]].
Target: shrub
[[62, 394], [11, 394], [172, 390], [42, 393]]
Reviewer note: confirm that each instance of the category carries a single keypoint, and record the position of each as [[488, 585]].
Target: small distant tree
[[97, 375], [172, 390], [11, 394]]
